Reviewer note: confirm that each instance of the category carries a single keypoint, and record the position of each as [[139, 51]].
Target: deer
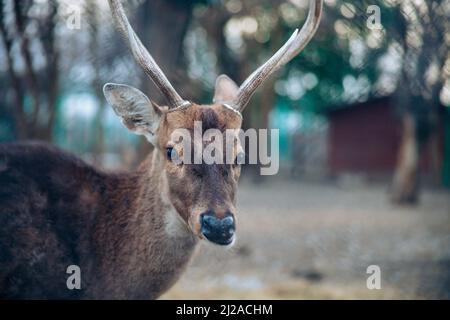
[[131, 233]]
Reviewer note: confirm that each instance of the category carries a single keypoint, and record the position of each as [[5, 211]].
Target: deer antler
[[291, 48], [143, 57]]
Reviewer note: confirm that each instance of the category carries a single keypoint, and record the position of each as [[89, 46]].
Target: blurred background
[[363, 114]]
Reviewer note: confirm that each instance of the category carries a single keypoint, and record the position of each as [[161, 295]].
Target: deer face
[[203, 193]]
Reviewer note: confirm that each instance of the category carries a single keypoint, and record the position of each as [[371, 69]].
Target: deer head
[[204, 195]]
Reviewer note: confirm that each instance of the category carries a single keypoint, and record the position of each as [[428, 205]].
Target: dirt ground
[[316, 240]]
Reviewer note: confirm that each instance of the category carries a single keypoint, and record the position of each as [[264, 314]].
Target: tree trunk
[[162, 27], [446, 160], [405, 183], [52, 70], [99, 140]]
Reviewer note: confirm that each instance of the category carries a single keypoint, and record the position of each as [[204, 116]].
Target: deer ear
[[138, 114], [226, 89]]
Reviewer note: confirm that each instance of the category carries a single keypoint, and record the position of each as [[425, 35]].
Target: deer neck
[[154, 201], [152, 244]]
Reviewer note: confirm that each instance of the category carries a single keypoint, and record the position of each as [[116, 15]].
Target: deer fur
[[131, 233], [58, 211]]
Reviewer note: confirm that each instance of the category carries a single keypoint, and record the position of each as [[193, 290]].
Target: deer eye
[[172, 155], [240, 158]]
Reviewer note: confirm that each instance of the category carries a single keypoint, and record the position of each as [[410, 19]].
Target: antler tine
[[291, 48], [143, 57], [307, 32]]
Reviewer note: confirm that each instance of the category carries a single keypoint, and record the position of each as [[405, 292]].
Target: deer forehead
[[214, 116]]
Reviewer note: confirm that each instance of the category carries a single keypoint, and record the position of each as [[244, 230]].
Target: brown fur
[[56, 210]]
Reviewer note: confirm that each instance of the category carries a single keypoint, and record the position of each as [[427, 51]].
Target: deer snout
[[219, 230]]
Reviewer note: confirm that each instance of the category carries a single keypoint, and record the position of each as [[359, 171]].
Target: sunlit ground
[[314, 241]]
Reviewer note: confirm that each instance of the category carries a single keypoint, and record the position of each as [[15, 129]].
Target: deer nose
[[218, 230]]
